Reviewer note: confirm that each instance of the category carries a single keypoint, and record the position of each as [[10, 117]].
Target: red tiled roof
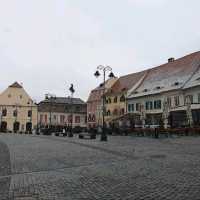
[[96, 94], [126, 82]]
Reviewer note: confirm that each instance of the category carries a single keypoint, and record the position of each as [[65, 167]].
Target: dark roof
[[64, 100], [124, 83], [96, 94], [169, 76], [15, 85]]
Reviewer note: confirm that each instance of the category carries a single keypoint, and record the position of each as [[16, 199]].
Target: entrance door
[[28, 126], [16, 126], [3, 127]]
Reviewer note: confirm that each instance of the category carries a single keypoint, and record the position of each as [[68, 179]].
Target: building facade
[[169, 96], [61, 111], [18, 112], [116, 103], [95, 104]]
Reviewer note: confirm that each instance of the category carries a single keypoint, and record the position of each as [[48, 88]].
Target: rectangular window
[[15, 113], [199, 98], [115, 100], [137, 107], [169, 102], [129, 108], [132, 107], [4, 112], [157, 104], [77, 119], [176, 101], [41, 118], [191, 98], [30, 113], [149, 105], [62, 119]]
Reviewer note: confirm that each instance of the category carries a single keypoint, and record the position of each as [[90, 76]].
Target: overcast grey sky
[[48, 44]]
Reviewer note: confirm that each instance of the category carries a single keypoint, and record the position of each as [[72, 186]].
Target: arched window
[[4, 112], [122, 98]]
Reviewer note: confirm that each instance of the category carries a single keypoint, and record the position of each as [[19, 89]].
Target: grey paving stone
[[124, 168]]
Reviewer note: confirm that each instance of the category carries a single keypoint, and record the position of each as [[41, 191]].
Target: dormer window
[[135, 92], [176, 83], [145, 90], [158, 88]]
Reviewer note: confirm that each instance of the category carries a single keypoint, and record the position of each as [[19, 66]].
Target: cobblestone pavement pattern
[[124, 168]]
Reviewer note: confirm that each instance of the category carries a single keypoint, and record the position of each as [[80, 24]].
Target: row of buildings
[[19, 113], [167, 95]]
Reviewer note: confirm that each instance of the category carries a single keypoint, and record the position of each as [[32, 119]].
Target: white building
[[169, 95]]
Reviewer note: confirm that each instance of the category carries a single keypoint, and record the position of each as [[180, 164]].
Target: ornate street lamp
[[72, 90], [111, 75]]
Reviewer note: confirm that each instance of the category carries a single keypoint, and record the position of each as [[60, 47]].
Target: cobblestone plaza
[[125, 167]]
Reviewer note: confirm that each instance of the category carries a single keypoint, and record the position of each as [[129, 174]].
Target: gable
[[15, 95]]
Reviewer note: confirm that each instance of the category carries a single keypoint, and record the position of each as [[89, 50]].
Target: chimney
[[171, 59]]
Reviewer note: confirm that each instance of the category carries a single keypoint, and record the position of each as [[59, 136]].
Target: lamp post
[[111, 75], [50, 97], [72, 90], [1, 113]]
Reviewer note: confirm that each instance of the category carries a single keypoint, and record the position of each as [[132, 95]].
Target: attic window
[[158, 88], [176, 83], [101, 85], [145, 90], [136, 92]]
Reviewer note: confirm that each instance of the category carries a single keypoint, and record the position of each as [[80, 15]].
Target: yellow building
[[18, 112], [116, 104]]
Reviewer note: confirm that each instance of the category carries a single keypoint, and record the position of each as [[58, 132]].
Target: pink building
[[94, 104]]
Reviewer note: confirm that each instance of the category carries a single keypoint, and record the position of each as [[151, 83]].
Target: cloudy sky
[[48, 44]]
